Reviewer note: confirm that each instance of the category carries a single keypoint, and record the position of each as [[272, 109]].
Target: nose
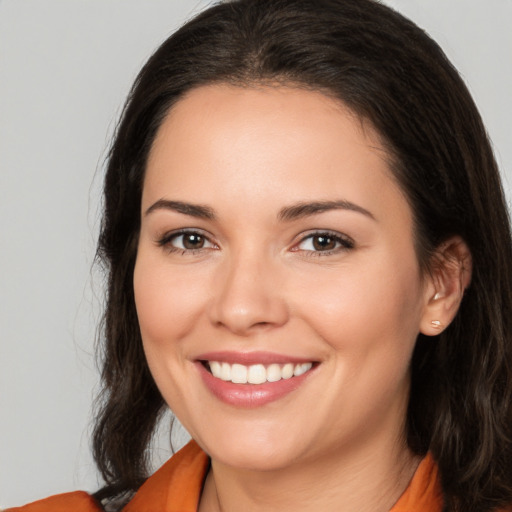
[[248, 296]]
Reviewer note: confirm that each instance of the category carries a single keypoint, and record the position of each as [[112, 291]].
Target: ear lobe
[[449, 277]]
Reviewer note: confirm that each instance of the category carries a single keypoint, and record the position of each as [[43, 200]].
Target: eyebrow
[[288, 213], [193, 210], [301, 210]]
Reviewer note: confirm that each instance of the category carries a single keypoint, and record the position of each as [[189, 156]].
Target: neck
[[342, 481]]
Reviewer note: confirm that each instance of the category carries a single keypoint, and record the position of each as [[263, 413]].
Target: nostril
[[262, 324]]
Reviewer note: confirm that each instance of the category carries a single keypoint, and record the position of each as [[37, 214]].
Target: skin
[[258, 283]]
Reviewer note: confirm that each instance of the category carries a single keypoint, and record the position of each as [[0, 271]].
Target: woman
[[309, 262]]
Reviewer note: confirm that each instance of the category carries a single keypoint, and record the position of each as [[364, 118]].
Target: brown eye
[[186, 241], [317, 243], [323, 243], [193, 241]]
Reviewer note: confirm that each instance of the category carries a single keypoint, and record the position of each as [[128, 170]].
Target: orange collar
[[423, 492], [177, 486]]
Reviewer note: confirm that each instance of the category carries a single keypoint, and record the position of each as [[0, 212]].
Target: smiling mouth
[[256, 373]]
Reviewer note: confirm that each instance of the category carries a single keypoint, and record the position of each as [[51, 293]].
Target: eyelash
[[342, 243], [167, 240]]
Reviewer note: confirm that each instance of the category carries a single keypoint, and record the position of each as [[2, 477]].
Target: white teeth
[[216, 368], [274, 373], [239, 374], [257, 373], [287, 371], [225, 372], [301, 368]]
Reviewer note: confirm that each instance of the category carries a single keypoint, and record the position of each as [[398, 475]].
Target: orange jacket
[[177, 485]]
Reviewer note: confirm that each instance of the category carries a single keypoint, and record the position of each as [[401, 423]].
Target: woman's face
[[275, 240]]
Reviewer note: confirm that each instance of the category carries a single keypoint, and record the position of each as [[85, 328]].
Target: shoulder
[[76, 501], [176, 486]]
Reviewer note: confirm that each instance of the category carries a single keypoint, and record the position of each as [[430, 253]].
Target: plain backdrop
[[65, 69]]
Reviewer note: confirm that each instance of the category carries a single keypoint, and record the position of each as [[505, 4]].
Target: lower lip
[[250, 395]]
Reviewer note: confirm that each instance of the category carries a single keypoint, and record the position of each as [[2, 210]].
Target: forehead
[[270, 105], [272, 143]]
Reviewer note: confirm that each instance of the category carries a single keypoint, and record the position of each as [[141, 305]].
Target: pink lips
[[248, 358], [250, 395]]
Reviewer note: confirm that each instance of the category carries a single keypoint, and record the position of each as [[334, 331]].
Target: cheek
[[168, 303], [374, 307]]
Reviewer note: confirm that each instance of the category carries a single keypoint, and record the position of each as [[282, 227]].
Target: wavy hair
[[390, 73]]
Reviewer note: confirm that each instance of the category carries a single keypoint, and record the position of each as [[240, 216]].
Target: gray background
[[65, 68]]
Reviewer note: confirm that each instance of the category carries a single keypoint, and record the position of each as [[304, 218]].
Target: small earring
[[437, 296], [436, 324]]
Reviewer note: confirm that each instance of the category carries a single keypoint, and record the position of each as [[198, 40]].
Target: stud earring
[[436, 324], [437, 296]]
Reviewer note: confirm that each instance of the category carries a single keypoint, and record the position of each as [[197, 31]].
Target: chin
[[272, 458], [255, 451]]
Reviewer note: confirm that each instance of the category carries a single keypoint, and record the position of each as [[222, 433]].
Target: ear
[[450, 275]]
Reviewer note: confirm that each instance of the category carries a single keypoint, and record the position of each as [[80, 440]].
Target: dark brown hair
[[393, 75]]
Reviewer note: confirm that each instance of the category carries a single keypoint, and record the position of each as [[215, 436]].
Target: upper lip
[[250, 358]]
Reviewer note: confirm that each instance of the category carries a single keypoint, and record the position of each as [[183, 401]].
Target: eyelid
[[166, 239], [343, 242]]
